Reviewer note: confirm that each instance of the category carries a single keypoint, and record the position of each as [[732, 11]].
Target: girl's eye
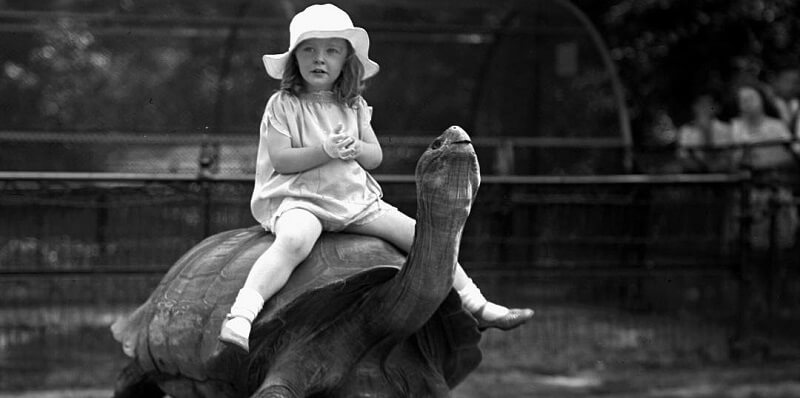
[[334, 51]]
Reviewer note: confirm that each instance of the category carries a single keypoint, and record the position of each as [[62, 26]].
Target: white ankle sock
[[244, 310], [473, 300], [248, 304]]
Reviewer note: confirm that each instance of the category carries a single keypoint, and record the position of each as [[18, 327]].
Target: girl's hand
[[336, 142], [351, 151]]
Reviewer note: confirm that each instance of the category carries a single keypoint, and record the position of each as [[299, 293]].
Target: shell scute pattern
[[176, 330]]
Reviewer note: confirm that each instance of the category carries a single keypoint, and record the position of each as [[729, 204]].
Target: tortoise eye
[[436, 144]]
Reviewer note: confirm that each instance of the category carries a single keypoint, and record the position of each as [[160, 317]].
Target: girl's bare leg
[[296, 231]]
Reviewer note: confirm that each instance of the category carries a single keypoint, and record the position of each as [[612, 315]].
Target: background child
[[316, 143]]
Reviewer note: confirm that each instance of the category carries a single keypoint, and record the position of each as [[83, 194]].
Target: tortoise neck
[[427, 275]]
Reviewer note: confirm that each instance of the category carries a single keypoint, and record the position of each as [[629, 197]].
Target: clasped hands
[[341, 146]]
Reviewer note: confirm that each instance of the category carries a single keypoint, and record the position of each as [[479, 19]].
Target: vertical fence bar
[[773, 208], [742, 331], [101, 229], [205, 188]]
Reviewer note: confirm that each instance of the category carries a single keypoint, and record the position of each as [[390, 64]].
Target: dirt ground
[[568, 353], [752, 380]]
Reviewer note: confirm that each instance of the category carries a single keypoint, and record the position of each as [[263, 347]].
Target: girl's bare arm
[[288, 160], [371, 154]]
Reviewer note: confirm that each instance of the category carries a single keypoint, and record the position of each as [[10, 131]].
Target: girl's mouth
[[318, 71]]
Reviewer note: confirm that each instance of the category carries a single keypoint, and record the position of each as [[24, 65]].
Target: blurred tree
[[670, 50], [133, 77], [130, 65]]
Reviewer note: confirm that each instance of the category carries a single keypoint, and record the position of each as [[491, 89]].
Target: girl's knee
[[295, 234], [295, 247]]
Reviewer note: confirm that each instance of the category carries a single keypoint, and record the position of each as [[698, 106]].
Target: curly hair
[[347, 87]]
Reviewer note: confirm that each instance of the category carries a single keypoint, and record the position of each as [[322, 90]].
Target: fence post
[[101, 231], [208, 166], [773, 264], [741, 271]]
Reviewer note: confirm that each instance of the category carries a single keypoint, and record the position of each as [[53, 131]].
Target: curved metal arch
[[616, 82]]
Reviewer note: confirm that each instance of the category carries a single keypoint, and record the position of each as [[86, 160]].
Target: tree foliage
[[127, 65], [670, 50], [164, 65]]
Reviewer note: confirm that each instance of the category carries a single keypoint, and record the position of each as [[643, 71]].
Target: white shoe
[[236, 331]]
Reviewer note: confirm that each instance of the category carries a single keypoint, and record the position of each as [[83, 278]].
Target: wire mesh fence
[[620, 271]]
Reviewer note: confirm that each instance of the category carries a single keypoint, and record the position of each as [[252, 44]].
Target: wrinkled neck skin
[[409, 299], [447, 180]]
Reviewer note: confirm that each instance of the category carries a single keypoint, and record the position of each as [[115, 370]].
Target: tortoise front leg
[[284, 385], [302, 369]]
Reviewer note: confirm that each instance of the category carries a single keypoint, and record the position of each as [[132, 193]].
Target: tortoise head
[[447, 177]]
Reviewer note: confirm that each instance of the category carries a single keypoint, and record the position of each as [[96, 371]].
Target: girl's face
[[321, 61], [750, 101]]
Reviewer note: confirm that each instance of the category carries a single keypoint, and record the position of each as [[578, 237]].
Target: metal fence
[[621, 269]]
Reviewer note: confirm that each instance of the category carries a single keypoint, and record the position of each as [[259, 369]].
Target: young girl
[[316, 143]]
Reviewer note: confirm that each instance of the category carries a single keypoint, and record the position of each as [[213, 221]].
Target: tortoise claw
[[514, 318]]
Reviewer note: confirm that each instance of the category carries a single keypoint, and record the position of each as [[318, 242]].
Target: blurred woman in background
[[704, 143]]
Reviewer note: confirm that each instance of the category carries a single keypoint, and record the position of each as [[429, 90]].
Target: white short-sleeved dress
[[340, 192]]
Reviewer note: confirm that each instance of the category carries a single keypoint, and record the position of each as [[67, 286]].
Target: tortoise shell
[[174, 333]]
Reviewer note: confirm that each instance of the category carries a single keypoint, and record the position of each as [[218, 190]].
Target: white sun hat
[[322, 21]]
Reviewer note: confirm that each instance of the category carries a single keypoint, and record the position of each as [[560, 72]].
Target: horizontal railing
[[518, 220], [618, 179], [415, 138]]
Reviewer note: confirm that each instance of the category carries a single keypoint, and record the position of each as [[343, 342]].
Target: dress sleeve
[[276, 114]]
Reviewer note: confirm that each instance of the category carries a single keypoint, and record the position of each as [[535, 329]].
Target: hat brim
[[358, 38]]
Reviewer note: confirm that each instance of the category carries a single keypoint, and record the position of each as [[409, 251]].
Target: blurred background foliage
[[500, 68], [668, 51], [144, 65]]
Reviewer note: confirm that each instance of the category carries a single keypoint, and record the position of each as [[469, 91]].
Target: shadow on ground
[[565, 352]]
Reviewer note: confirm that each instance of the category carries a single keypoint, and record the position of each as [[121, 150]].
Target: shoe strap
[[479, 312]]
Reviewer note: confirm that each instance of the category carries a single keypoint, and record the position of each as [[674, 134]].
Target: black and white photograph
[[399, 198]]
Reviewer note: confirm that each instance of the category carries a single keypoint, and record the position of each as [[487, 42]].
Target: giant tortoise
[[356, 319]]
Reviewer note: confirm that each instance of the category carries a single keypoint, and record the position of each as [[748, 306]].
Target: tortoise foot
[[514, 318]]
